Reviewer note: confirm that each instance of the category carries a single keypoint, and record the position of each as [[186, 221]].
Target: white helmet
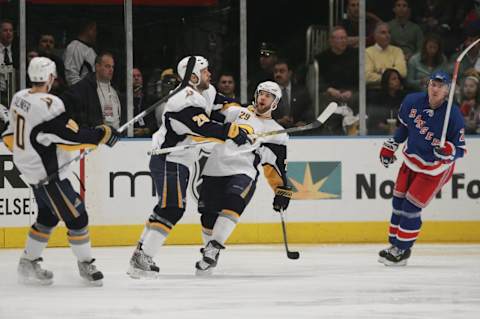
[[200, 64], [272, 88], [40, 68]]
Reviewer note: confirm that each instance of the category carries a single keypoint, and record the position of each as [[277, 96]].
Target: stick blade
[[329, 110], [293, 255]]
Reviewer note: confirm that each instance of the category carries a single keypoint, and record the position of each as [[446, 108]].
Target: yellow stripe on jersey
[[78, 147], [199, 139], [273, 178], [247, 128], [8, 141], [228, 105], [233, 131], [71, 124]]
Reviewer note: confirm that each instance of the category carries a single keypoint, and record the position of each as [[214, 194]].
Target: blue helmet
[[441, 76]]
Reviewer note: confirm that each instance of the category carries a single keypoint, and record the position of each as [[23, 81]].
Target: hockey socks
[[79, 240], [37, 240], [223, 228]]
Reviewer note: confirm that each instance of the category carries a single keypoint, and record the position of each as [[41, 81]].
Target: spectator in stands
[[384, 105], [146, 126], [470, 60], [351, 24], [46, 48], [168, 81], [79, 55], [338, 68], [295, 107], [8, 50], [267, 59], [226, 85], [405, 34], [93, 101], [381, 56], [470, 104], [9, 57], [425, 62]]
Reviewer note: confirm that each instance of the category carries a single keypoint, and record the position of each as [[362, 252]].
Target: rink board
[[342, 194]]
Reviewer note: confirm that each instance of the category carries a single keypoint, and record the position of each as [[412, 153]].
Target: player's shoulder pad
[[414, 98], [54, 104], [185, 98]]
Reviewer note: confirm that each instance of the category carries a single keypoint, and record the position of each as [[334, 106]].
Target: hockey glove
[[387, 153], [282, 198], [445, 154], [237, 134], [110, 135]]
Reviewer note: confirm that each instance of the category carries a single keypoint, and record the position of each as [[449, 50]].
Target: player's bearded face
[[204, 79], [264, 102]]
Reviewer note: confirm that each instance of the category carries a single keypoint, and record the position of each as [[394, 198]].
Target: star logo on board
[[315, 180]]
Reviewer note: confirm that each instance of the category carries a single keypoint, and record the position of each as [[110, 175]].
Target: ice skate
[[397, 257], [30, 273], [90, 273], [209, 260], [383, 253], [142, 266]]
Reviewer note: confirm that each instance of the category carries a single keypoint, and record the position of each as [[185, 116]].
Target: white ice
[[328, 281]]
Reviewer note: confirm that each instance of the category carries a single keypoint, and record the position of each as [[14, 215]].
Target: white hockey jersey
[[185, 120], [40, 135], [229, 159]]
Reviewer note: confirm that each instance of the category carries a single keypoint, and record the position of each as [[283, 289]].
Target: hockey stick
[[183, 84], [452, 92], [329, 110], [290, 254]]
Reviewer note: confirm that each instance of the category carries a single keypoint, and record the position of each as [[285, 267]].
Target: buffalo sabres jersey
[[186, 120], [230, 159], [422, 127], [40, 135]]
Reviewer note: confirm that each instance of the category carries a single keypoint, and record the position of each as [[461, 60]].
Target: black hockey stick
[[290, 254], [329, 110], [183, 84]]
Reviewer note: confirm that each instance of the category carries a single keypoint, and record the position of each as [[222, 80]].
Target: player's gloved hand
[[110, 135], [445, 154], [387, 153], [282, 198], [237, 134]]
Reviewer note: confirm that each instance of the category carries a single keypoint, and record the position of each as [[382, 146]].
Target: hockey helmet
[[200, 64], [272, 88], [40, 68], [441, 76]]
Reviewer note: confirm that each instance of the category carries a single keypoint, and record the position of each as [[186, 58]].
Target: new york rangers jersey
[[421, 126], [229, 159]]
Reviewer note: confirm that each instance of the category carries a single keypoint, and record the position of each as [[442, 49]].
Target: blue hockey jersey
[[421, 126]]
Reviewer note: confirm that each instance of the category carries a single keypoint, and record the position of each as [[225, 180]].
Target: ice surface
[[333, 281]]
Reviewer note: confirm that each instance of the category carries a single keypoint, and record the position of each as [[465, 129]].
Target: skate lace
[[211, 252], [36, 266]]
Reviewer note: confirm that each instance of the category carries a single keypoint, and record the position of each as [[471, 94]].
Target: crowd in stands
[[406, 41]]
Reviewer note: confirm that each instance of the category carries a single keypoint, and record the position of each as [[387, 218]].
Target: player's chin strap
[[188, 75], [329, 110]]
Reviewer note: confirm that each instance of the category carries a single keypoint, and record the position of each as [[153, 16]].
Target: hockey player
[[426, 168], [40, 136], [230, 173], [185, 119]]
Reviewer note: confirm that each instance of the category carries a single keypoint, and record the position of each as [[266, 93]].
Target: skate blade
[[389, 263], [203, 273], [135, 273], [381, 260], [27, 281], [93, 283]]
